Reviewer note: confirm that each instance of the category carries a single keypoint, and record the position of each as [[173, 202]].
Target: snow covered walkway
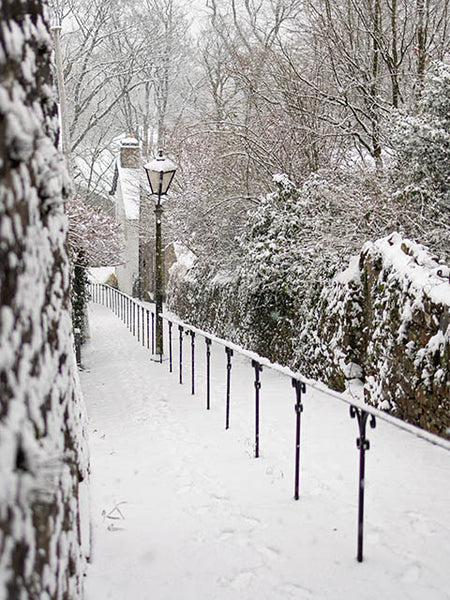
[[182, 511]]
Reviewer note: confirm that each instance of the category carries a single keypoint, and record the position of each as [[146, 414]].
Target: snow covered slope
[[181, 509]]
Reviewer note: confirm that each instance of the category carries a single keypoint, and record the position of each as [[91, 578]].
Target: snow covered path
[[181, 510]]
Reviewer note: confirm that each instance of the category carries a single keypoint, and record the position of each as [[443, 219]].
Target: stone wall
[[42, 446], [384, 320], [387, 317]]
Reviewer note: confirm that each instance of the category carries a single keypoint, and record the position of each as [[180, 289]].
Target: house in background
[[134, 209], [126, 190]]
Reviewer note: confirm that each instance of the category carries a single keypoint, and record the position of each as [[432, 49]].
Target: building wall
[[127, 214], [128, 272], [42, 445]]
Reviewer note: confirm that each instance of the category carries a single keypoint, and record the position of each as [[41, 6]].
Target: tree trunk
[[394, 50], [421, 39]]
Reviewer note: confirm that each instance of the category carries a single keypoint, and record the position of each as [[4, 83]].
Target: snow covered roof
[[129, 141]]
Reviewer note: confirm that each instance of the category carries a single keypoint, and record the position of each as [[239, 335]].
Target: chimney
[[130, 153]]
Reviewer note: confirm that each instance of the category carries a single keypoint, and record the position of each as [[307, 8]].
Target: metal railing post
[[229, 353], [153, 333], [180, 330], [170, 345], [138, 325], [208, 372], [192, 362], [300, 388], [362, 444], [258, 368]]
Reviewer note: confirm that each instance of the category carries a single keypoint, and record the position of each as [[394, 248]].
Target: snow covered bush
[[383, 320], [335, 354], [290, 299], [294, 242], [422, 139], [94, 240], [269, 295], [94, 233], [214, 308], [283, 265], [42, 445], [79, 294]]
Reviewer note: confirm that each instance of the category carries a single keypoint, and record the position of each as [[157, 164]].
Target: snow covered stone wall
[[42, 449], [386, 319]]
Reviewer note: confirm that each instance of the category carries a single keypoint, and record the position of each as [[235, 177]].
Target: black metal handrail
[[128, 310]]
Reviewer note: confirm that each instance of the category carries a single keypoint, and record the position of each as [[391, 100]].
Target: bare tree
[[367, 55]]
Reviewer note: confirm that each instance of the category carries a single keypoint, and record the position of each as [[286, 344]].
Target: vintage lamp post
[[160, 172]]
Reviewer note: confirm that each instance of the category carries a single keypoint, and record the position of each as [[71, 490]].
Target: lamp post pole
[[160, 173], [159, 280]]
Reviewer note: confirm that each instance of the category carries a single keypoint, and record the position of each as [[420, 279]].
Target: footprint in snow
[[411, 574], [184, 483], [275, 474], [113, 517], [269, 551], [238, 538], [226, 534], [99, 434], [220, 497], [238, 582], [252, 520], [111, 527], [423, 525], [296, 591]]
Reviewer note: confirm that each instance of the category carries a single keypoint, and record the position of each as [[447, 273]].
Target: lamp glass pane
[[154, 179], [167, 180]]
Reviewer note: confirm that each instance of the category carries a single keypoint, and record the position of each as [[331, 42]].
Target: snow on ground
[[182, 510]]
